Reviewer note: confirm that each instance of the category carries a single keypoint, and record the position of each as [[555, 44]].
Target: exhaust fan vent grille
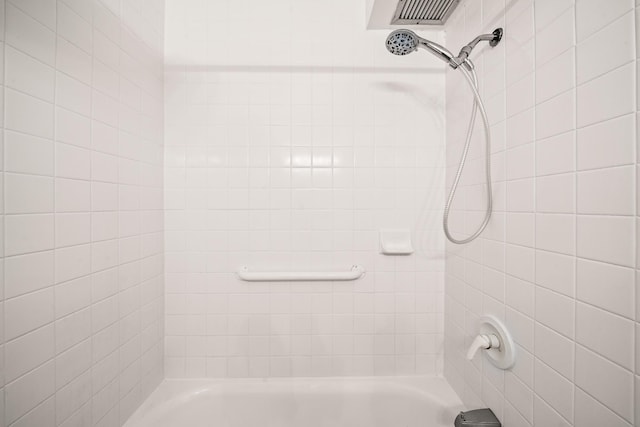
[[423, 12]]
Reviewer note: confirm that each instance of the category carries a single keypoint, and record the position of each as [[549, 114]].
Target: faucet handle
[[482, 341]]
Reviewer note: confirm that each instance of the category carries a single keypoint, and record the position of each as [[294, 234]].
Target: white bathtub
[[316, 402]]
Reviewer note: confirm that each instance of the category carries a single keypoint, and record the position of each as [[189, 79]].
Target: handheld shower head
[[403, 42]]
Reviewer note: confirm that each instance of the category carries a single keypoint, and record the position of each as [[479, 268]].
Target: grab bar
[[289, 276]]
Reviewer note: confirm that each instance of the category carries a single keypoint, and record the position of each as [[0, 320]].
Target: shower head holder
[[493, 39], [497, 36]]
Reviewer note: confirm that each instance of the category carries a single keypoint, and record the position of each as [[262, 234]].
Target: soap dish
[[395, 242]]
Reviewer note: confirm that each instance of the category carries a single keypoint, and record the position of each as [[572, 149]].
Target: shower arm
[[493, 39]]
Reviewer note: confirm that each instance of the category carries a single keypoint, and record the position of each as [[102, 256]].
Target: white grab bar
[[289, 276]]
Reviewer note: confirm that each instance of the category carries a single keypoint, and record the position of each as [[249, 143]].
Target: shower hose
[[470, 75]]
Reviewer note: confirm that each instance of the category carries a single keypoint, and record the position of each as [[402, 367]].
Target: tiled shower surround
[[82, 301], [558, 261], [141, 168], [292, 137]]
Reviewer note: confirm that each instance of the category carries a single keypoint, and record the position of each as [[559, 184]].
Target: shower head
[[403, 42]]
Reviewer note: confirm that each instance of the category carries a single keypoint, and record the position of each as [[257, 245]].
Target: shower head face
[[402, 42]]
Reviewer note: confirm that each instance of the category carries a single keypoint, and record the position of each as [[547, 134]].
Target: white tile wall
[[289, 149], [82, 268], [563, 238]]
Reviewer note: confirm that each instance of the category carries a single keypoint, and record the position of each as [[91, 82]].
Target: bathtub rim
[[171, 391]]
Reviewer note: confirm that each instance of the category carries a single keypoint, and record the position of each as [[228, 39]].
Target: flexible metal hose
[[471, 77]]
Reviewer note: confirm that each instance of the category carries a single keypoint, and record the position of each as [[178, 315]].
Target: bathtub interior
[[309, 402]]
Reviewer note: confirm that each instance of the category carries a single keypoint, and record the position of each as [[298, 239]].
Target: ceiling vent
[[423, 12]]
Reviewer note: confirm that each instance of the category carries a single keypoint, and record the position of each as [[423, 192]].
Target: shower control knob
[[483, 341], [494, 338]]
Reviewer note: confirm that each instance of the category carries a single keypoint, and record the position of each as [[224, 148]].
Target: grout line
[[636, 359], [535, 208], [598, 76], [91, 181], [575, 209], [119, 291], [3, 398], [55, 210]]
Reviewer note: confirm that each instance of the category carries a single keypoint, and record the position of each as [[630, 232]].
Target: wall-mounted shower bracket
[[493, 39], [497, 36]]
